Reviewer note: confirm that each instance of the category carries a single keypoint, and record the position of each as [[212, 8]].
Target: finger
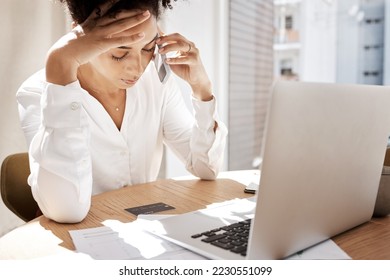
[[120, 41], [120, 14], [187, 59], [121, 25], [182, 47], [175, 37], [127, 33]]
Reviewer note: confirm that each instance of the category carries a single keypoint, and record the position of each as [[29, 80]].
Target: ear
[[74, 24], [160, 32]]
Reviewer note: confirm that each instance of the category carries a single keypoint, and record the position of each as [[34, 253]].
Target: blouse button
[[74, 106]]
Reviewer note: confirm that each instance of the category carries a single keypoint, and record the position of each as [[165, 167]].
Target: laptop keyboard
[[233, 237]]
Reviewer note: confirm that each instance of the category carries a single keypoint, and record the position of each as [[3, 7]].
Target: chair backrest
[[15, 191], [387, 158]]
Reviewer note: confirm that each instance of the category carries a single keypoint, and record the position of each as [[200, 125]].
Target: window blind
[[250, 78]]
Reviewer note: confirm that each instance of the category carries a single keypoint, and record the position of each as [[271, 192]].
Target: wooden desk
[[370, 241], [185, 196], [43, 237]]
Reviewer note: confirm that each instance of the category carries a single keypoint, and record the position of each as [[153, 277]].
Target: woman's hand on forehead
[[99, 33], [121, 23]]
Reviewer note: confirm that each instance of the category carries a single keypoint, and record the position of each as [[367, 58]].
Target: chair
[[387, 158], [382, 204], [15, 191]]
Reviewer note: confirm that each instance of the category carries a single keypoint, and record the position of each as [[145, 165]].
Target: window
[[250, 78], [289, 22]]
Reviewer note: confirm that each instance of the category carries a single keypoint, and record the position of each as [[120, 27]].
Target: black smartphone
[[251, 188]]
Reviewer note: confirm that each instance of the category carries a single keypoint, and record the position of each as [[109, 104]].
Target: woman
[[97, 117]]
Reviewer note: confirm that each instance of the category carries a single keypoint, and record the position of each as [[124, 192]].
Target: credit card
[[149, 208]]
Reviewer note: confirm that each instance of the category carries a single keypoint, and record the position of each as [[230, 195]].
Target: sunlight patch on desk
[[40, 242], [132, 233], [241, 209]]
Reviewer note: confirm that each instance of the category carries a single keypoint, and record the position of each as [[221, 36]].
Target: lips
[[129, 82]]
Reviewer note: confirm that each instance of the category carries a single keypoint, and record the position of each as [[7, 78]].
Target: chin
[[126, 87]]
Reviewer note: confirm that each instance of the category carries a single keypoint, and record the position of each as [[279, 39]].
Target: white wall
[[205, 24], [28, 29], [348, 66], [318, 33]]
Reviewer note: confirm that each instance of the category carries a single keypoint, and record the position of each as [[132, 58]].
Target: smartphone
[[251, 188], [163, 70]]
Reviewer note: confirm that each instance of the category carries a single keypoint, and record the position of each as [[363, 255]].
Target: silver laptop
[[322, 161]]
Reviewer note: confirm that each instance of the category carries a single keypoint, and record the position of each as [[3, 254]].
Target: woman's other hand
[[187, 64]]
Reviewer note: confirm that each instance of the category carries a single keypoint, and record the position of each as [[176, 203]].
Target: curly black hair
[[80, 9]]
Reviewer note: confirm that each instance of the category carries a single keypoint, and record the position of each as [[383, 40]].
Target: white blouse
[[77, 151]]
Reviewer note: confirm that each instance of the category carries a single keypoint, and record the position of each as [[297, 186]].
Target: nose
[[134, 66]]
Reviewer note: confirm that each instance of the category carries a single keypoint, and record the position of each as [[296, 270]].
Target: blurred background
[[245, 46]]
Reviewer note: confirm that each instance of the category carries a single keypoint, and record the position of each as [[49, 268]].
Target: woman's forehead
[[149, 28]]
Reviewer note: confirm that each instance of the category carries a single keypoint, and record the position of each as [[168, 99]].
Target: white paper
[[123, 241]]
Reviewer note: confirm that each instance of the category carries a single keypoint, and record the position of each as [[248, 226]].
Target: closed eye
[[151, 49], [119, 58]]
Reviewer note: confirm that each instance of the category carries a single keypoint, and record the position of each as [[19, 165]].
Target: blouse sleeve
[[56, 130], [192, 138]]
